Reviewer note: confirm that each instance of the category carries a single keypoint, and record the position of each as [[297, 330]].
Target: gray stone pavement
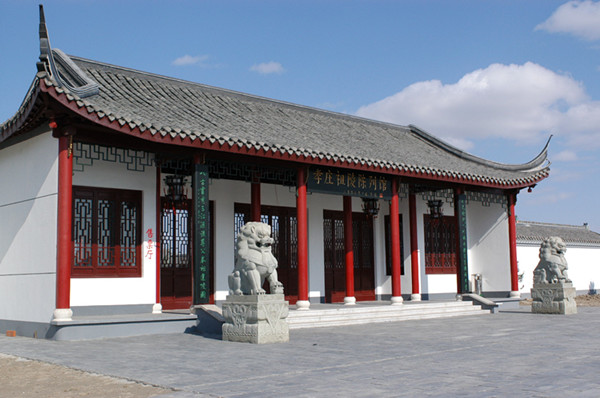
[[513, 353]]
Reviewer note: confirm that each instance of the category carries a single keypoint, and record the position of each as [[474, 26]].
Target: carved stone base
[[257, 319], [553, 298]]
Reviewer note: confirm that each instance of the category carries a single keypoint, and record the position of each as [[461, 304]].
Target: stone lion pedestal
[[553, 298], [258, 319], [553, 291]]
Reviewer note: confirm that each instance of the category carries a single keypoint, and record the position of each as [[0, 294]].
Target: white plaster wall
[[28, 206], [489, 253], [527, 259], [121, 291], [584, 265]]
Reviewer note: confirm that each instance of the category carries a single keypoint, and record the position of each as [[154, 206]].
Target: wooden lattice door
[[284, 229], [176, 255], [335, 253]]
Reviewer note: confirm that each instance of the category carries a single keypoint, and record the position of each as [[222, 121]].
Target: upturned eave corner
[[538, 163]]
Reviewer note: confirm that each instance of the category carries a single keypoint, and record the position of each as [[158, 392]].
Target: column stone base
[[157, 308], [415, 297], [302, 305], [62, 314], [515, 294], [257, 319], [349, 300], [553, 298], [397, 300]]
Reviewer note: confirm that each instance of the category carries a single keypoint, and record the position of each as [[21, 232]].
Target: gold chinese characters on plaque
[[348, 183]]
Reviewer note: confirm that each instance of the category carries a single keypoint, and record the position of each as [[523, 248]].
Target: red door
[[176, 254], [335, 266]]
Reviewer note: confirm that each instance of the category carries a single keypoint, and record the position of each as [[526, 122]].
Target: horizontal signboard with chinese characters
[[348, 183]]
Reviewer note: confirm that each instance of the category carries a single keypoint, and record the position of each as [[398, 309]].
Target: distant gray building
[[583, 252]]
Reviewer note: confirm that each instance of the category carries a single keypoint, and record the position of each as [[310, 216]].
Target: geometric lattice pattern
[[223, 169], [175, 250], [487, 198], [440, 245], [446, 195], [106, 232], [85, 155]]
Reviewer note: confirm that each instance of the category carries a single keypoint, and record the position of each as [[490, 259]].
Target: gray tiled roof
[[171, 108], [535, 232]]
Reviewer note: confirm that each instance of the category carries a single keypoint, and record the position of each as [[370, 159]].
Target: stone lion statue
[[552, 267], [254, 261]]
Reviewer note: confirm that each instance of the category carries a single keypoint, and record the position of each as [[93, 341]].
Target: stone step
[[376, 314]]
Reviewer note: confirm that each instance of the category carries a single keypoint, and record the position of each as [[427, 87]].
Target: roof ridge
[[552, 224]]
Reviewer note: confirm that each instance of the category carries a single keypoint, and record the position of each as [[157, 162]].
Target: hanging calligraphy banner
[[201, 235], [463, 265], [348, 183]]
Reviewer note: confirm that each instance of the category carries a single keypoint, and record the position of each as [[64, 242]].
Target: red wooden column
[[395, 237], [302, 223], [348, 246], [255, 202], [512, 243], [414, 248], [64, 256]]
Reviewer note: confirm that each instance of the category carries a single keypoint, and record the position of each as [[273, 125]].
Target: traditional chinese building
[[128, 188]]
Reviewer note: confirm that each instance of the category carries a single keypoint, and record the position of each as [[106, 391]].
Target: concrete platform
[[123, 325], [464, 356], [377, 312]]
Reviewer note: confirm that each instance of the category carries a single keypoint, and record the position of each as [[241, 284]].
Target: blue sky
[[495, 78]]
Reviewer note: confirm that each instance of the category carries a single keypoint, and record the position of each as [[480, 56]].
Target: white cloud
[[268, 68], [190, 60], [565, 156], [579, 18], [519, 102]]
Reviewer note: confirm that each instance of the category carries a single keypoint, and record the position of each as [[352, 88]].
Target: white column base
[[157, 308], [397, 300], [459, 297], [349, 300], [514, 294], [302, 305], [415, 297], [63, 314]]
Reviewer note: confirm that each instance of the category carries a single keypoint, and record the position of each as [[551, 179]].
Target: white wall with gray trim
[[28, 214]]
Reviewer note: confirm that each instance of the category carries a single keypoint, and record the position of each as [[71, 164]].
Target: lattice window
[[440, 245], [293, 242], [175, 247], [340, 250], [106, 232], [328, 242]]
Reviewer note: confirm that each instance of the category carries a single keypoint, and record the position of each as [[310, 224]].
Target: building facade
[[129, 189]]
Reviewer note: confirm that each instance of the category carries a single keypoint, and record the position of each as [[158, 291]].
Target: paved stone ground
[[512, 353]]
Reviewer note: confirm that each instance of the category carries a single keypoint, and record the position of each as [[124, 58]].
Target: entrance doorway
[[335, 256], [284, 231], [176, 254]]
